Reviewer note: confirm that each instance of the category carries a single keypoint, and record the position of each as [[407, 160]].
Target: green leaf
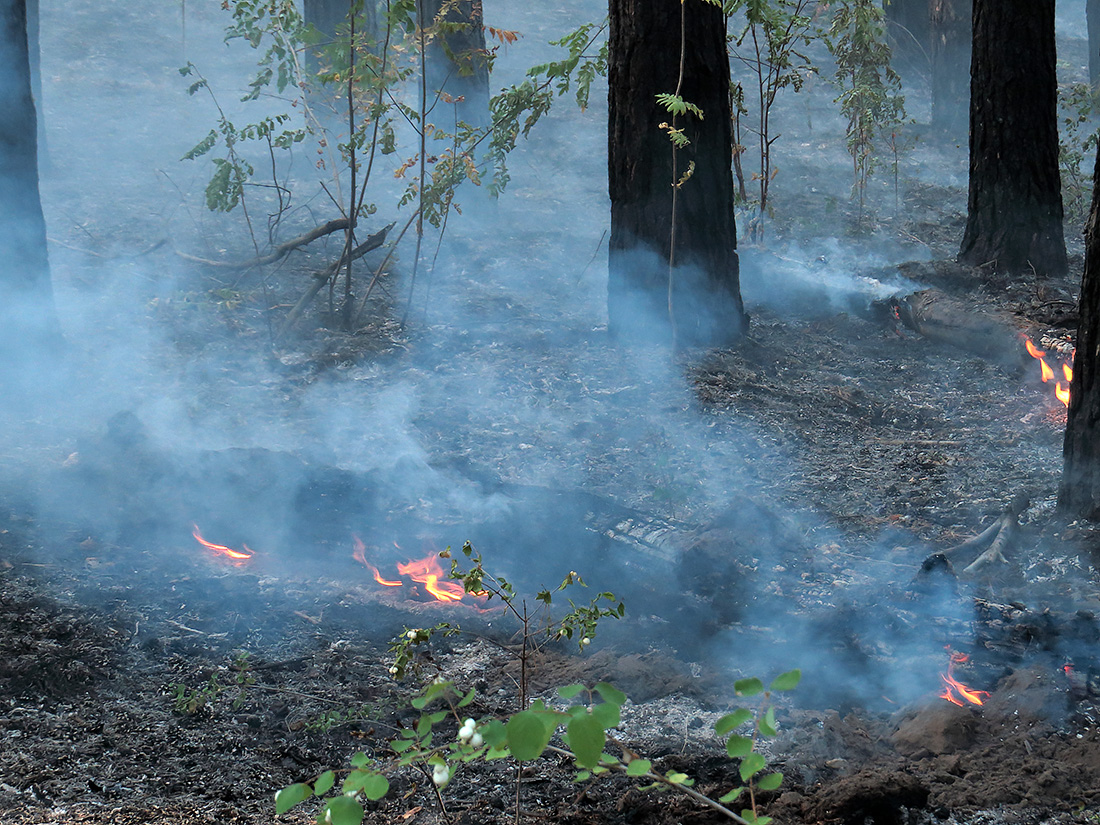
[[770, 781], [727, 798], [585, 737], [638, 767], [468, 698], [324, 783], [582, 776], [751, 765], [787, 681], [342, 810], [375, 786], [493, 732], [732, 720], [748, 687], [401, 745], [611, 694], [679, 778], [291, 795], [569, 691], [607, 715], [527, 735], [767, 724], [739, 746]]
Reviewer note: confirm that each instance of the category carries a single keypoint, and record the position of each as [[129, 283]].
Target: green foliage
[[193, 701], [870, 90], [444, 739], [1078, 139], [772, 45]]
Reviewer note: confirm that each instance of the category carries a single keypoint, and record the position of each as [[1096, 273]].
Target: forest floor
[[758, 509]]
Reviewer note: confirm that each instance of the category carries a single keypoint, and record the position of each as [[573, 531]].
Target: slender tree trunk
[[28, 324], [1092, 21], [705, 300], [1014, 220], [951, 37], [1079, 493], [907, 26], [458, 63]]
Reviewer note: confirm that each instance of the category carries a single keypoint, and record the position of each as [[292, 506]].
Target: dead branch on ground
[[278, 252]]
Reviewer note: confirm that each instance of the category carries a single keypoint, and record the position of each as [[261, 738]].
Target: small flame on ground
[[360, 555], [220, 549], [1046, 373], [425, 571], [955, 691]]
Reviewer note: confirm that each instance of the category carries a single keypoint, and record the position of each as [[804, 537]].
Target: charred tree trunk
[[458, 62], [28, 324], [950, 54], [703, 305], [1014, 211], [1092, 21], [1079, 493], [909, 31]]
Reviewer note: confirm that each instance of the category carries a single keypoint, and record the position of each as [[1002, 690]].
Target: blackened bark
[[458, 64], [645, 61], [1014, 219], [951, 37], [1092, 21], [1079, 493], [28, 324]]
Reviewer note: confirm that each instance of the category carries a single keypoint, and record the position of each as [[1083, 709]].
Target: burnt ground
[[757, 509]]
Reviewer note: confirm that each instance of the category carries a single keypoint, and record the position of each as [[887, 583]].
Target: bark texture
[[1014, 211], [1092, 21], [458, 64], [951, 36], [27, 320], [1079, 493], [645, 61]]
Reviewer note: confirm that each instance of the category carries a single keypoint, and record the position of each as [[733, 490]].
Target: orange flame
[[428, 573], [425, 571], [1033, 350], [360, 556], [1047, 374], [955, 691], [220, 549]]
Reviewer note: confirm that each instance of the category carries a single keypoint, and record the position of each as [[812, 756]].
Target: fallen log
[[977, 554], [991, 334], [278, 252]]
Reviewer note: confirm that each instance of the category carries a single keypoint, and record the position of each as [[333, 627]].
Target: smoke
[[502, 414]]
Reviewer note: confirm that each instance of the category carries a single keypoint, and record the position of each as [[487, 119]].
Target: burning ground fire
[[1047, 374], [955, 691], [236, 556], [425, 572]]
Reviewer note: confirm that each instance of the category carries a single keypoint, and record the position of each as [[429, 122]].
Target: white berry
[[476, 740]]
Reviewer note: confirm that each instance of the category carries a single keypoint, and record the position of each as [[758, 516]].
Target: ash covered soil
[[761, 508]]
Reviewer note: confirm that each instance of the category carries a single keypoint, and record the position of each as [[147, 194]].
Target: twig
[[278, 252], [321, 278]]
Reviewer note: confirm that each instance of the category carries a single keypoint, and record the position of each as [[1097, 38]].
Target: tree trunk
[[950, 22], [907, 26], [458, 64], [28, 324], [704, 307], [1092, 21], [1079, 493], [1014, 220]]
